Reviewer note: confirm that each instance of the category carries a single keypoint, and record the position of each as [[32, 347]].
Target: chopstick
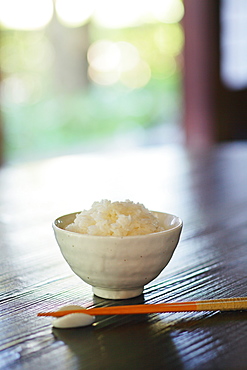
[[227, 304]]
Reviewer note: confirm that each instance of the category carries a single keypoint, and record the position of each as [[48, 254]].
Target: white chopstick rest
[[73, 320]]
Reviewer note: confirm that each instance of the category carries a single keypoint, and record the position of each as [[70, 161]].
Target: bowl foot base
[[117, 294]]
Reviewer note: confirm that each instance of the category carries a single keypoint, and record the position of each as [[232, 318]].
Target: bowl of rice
[[117, 247]]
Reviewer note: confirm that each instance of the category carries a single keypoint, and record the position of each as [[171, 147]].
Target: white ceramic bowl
[[118, 267]]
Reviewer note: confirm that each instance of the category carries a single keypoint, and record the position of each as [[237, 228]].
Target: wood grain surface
[[208, 190]]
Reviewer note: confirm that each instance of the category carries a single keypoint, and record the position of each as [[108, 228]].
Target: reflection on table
[[206, 189]]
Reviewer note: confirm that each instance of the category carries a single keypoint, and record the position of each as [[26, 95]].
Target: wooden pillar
[[201, 28], [213, 110]]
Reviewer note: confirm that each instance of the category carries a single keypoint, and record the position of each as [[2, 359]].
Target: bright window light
[[129, 56], [25, 14], [105, 78], [118, 14], [131, 13], [167, 11], [104, 56], [112, 62], [35, 14], [234, 44], [74, 13]]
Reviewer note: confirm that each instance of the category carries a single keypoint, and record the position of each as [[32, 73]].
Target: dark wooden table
[[208, 190]]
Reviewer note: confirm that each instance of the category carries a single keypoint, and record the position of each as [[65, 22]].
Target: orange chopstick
[[227, 304]]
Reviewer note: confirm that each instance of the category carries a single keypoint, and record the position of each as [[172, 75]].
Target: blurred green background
[[87, 83]]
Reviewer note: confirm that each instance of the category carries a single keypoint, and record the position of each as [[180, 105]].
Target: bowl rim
[[158, 233]]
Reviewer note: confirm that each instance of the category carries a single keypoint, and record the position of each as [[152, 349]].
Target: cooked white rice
[[117, 219]]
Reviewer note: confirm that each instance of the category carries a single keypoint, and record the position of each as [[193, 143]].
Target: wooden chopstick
[[227, 304]]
